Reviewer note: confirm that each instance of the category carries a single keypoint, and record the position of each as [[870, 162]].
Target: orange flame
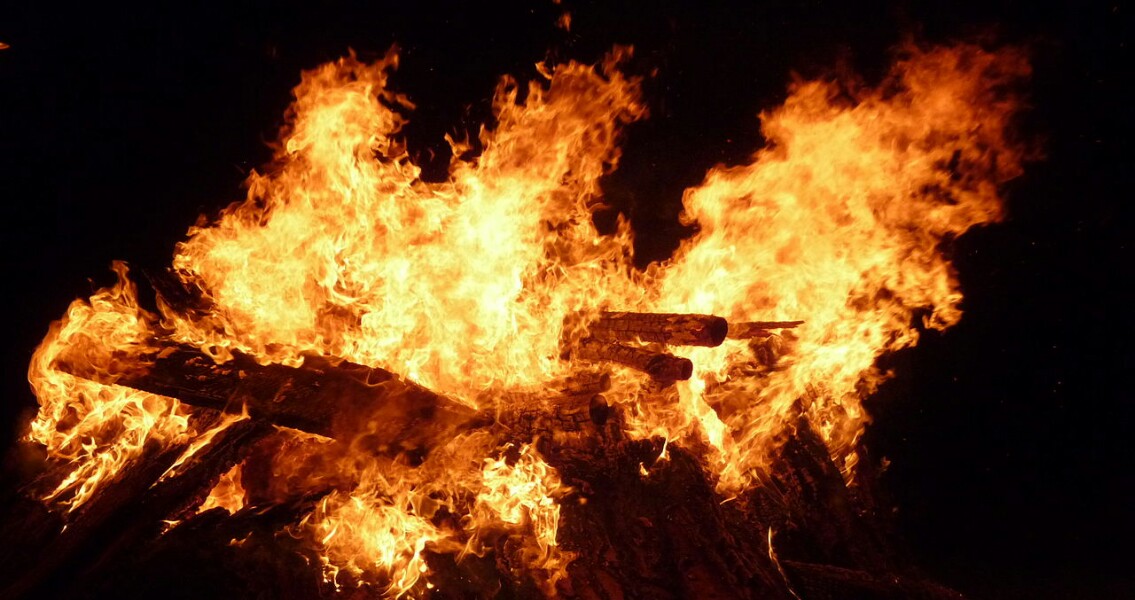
[[367, 536]]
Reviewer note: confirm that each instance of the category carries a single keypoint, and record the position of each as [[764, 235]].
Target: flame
[[380, 531], [523, 495], [97, 429], [345, 254], [228, 493], [365, 535], [841, 221], [473, 286]]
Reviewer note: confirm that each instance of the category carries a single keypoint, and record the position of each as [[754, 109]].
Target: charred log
[[333, 399], [584, 383], [176, 495], [218, 555], [642, 524], [804, 498], [573, 422], [60, 547], [661, 367], [660, 328], [179, 297]]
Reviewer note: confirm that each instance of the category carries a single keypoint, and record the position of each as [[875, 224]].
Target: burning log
[[752, 329], [682, 542], [181, 298], [815, 514], [333, 399], [220, 555], [660, 328], [175, 496], [662, 367], [576, 431], [79, 528]]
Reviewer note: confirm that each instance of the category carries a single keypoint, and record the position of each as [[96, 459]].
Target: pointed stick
[[752, 329]]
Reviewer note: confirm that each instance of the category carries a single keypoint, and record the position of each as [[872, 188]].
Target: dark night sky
[[1008, 435]]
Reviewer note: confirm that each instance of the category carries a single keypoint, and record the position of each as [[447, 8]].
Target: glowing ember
[[479, 286]]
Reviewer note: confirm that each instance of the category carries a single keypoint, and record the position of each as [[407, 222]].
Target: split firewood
[[752, 329], [662, 367], [661, 328]]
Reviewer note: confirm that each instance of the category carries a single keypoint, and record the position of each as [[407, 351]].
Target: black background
[[1008, 436]]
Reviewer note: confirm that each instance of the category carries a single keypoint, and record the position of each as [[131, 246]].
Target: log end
[[667, 368], [599, 410], [717, 328]]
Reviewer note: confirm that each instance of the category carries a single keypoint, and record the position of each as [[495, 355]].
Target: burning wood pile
[[359, 383]]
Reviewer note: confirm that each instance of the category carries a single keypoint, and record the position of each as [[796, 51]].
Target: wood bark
[[660, 328]]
